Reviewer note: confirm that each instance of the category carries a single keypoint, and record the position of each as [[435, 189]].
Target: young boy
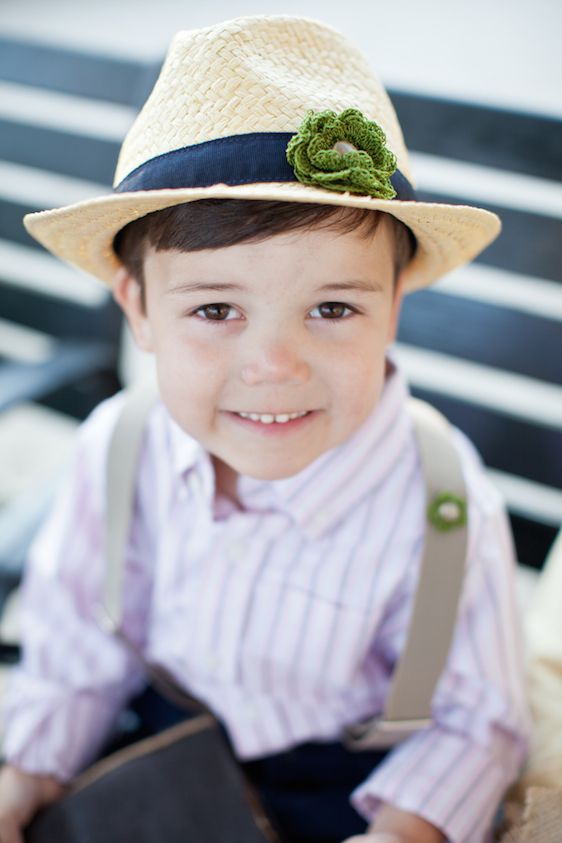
[[262, 232]]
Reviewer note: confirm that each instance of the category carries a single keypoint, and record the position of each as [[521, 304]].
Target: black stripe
[[79, 397], [95, 76], [60, 317], [494, 137], [253, 157], [533, 540], [58, 151], [511, 445], [69, 363], [11, 226], [530, 243], [494, 335]]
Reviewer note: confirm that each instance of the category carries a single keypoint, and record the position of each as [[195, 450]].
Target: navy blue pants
[[305, 790]]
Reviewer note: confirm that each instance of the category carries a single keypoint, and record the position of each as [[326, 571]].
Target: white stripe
[[509, 289], [42, 189], [108, 121], [24, 344], [533, 500], [35, 270], [541, 98], [487, 184], [508, 393]]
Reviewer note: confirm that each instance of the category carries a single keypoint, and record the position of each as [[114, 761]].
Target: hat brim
[[83, 234]]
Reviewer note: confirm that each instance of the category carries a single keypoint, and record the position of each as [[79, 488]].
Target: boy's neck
[[226, 481]]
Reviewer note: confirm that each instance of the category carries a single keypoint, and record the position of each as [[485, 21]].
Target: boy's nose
[[277, 363]]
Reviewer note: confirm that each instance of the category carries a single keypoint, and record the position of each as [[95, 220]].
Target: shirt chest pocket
[[296, 640]]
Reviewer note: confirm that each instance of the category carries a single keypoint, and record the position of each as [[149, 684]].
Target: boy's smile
[[269, 353]]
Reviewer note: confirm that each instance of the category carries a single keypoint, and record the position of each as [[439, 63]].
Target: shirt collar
[[322, 494]]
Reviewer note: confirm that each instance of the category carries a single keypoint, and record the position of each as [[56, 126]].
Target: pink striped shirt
[[285, 616]]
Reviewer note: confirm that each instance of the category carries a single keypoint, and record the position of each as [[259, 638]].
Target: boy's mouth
[[274, 422], [273, 418]]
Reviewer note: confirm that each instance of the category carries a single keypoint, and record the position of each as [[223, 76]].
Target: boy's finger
[[10, 833]]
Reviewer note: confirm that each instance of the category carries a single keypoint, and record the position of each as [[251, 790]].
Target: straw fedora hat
[[228, 101]]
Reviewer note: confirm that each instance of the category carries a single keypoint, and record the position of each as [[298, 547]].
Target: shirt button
[[323, 520], [235, 550], [249, 711], [214, 661]]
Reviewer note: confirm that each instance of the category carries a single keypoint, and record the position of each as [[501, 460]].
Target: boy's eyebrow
[[356, 284], [205, 286]]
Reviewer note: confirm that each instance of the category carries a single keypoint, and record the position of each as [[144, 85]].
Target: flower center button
[[341, 147]]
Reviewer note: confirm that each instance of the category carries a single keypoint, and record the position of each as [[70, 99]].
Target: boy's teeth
[[269, 418]]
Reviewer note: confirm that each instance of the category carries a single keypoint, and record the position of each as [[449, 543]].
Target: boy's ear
[[127, 292]]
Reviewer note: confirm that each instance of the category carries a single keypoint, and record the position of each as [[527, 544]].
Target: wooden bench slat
[[508, 444], [532, 539], [96, 76], [528, 244], [65, 318], [487, 333], [495, 137], [57, 150], [70, 362], [11, 225]]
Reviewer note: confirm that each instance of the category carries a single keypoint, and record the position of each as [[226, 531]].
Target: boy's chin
[[272, 471]]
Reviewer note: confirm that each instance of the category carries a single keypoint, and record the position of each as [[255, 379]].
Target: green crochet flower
[[343, 152]]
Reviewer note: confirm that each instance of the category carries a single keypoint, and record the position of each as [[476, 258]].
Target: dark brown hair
[[216, 223]]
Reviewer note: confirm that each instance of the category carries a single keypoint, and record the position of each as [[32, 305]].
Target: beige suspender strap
[[432, 624], [121, 473]]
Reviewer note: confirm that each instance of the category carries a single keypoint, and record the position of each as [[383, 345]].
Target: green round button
[[447, 512]]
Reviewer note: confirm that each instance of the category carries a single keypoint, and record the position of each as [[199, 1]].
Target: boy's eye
[[216, 312], [331, 310]]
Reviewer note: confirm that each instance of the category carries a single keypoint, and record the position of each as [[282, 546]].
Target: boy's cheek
[[183, 373], [143, 335]]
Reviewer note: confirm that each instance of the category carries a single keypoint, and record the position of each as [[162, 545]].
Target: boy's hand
[[392, 825], [21, 796], [10, 830], [371, 837]]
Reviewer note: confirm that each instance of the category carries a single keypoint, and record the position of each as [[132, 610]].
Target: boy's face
[[296, 324]]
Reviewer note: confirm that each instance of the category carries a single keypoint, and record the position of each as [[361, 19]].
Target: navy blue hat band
[[256, 157]]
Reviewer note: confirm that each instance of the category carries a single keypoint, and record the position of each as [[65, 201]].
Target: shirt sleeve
[[74, 678], [454, 773]]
